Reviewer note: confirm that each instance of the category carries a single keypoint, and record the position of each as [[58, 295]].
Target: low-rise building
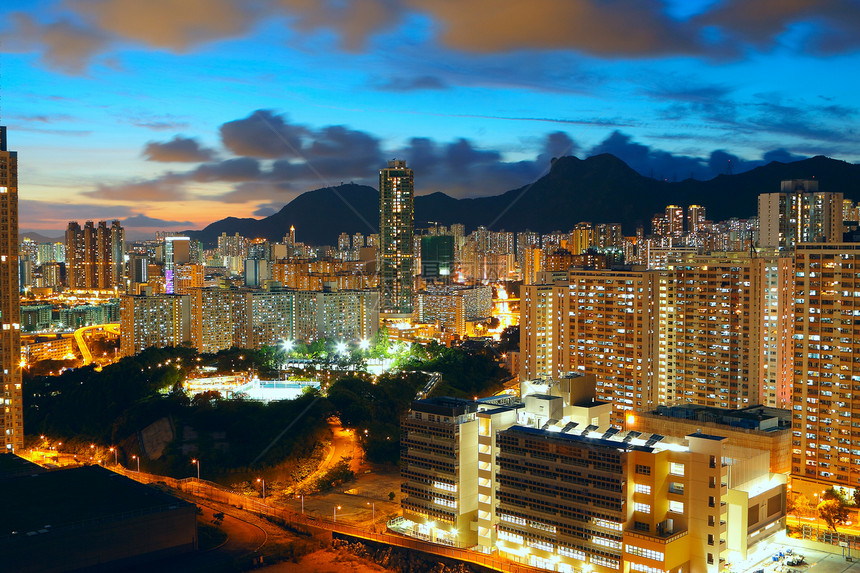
[[559, 488]]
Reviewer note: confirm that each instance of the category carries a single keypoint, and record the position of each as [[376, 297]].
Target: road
[[244, 542], [343, 445], [113, 328]]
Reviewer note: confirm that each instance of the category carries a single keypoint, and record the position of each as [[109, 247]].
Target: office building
[[177, 251], [437, 256], [396, 224], [12, 412], [695, 219]]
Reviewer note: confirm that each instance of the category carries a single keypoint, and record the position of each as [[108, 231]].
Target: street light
[[303, 503], [264, 486], [364, 344], [341, 347], [335, 512], [115, 462], [197, 463], [288, 345], [138, 462], [373, 506]]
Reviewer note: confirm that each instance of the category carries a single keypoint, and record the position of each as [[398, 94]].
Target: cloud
[[141, 220], [402, 84], [354, 21], [637, 28], [238, 169], [263, 134], [176, 25], [165, 188], [761, 22], [63, 45], [178, 149], [46, 215]]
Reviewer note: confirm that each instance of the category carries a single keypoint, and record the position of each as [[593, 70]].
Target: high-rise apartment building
[[695, 218], [396, 228], [825, 401], [799, 213], [177, 251], [154, 320], [11, 409], [675, 220], [95, 255]]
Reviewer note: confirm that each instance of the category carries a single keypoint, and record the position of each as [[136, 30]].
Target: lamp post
[[115, 461], [197, 463], [335, 512], [264, 486], [138, 462], [303, 503], [372, 504]]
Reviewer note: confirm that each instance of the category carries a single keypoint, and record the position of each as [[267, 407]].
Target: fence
[[314, 525], [816, 533]]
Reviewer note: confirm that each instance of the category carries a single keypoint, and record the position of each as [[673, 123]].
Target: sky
[[172, 114]]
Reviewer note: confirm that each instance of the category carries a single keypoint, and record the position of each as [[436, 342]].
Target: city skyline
[[232, 108]]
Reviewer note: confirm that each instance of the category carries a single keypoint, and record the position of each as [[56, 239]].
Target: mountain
[[600, 189]]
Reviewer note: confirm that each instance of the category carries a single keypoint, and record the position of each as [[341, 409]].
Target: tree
[[856, 496], [833, 512]]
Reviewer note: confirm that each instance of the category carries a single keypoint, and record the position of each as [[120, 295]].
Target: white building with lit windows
[[543, 479]]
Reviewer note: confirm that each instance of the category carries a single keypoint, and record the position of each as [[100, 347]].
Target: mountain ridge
[[599, 189]]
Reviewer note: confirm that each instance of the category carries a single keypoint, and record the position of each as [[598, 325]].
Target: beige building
[[155, 320], [12, 412], [558, 488], [825, 402], [799, 213]]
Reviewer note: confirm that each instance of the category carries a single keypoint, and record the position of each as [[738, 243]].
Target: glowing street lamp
[[373, 507], [287, 345], [335, 512], [115, 462], [364, 344], [138, 462], [197, 463], [264, 486], [341, 347]]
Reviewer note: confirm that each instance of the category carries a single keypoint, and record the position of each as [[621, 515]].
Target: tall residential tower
[[396, 226], [11, 409]]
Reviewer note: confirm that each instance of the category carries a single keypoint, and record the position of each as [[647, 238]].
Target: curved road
[[244, 539], [343, 445], [87, 356]]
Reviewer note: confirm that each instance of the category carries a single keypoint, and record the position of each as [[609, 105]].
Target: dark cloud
[[410, 84], [178, 149], [782, 155], [263, 134], [761, 22], [141, 220], [238, 169], [267, 209], [828, 123], [45, 215], [354, 21]]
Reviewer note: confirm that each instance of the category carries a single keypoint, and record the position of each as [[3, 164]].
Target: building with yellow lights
[[558, 488]]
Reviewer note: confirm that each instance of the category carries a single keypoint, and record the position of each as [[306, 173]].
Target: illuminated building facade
[[95, 255], [558, 489], [799, 213], [11, 400], [825, 402], [155, 320], [454, 308], [396, 228]]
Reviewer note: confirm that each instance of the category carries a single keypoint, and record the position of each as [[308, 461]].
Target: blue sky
[[170, 114]]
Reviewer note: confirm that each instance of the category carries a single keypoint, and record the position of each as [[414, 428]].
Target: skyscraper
[[396, 225], [12, 412]]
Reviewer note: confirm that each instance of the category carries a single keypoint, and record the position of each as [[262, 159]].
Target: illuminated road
[[113, 328], [343, 445]]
